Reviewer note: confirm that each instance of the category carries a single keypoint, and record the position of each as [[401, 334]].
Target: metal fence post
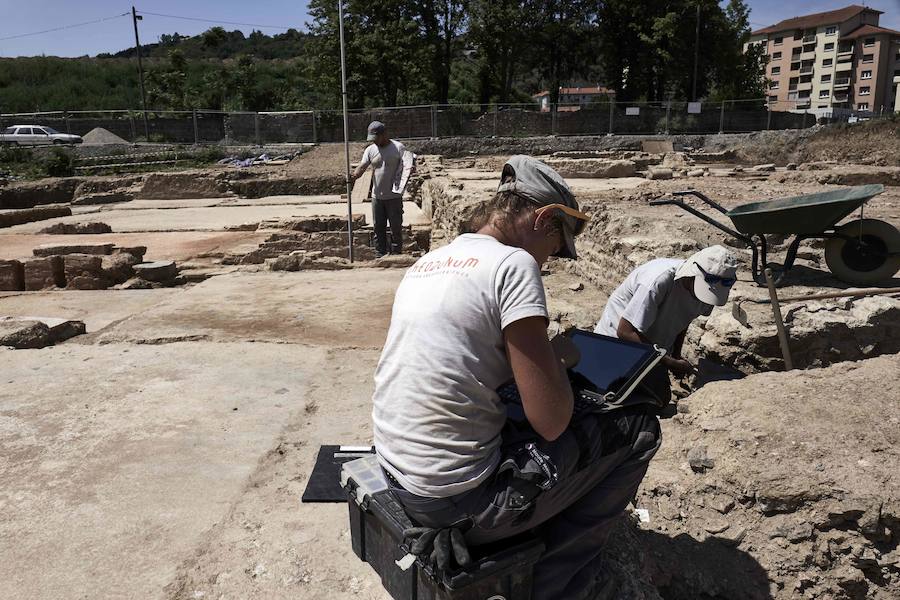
[[553, 116], [66, 119], [768, 115], [722, 118], [196, 127], [226, 125], [668, 113], [495, 120], [434, 121], [256, 127], [315, 140], [612, 112], [131, 121]]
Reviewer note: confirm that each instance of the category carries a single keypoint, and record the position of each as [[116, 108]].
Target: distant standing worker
[[386, 157], [658, 301]]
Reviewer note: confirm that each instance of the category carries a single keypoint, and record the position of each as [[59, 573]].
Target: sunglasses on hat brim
[[714, 279], [581, 218]]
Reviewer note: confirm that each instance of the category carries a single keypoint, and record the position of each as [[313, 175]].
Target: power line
[[21, 35], [214, 21]]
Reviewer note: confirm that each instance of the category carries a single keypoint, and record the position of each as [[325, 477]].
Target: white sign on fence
[[632, 111], [693, 108]]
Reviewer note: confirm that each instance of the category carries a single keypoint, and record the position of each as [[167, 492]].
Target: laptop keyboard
[[509, 394]]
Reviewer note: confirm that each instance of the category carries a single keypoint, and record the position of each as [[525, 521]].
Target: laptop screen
[[606, 362]]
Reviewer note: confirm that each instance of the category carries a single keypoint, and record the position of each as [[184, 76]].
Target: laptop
[[609, 373]]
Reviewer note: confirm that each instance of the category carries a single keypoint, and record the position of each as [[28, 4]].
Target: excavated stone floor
[[163, 453]]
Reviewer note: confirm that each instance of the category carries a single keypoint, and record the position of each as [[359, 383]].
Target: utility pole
[[696, 54], [137, 44]]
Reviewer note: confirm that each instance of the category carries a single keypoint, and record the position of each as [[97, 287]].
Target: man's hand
[[679, 366]]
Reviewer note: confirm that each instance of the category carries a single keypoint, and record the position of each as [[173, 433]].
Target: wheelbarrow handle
[[702, 198]]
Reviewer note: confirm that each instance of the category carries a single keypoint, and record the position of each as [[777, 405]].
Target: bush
[[59, 164], [15, 154]]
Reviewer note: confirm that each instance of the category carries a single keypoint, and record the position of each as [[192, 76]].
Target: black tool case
[[500, 571]]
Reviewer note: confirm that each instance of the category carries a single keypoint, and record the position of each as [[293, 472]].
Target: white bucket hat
[[714, 270]]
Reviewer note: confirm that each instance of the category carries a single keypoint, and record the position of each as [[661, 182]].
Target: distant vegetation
[[406, 52]]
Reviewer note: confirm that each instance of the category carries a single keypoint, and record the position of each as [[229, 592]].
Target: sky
[[116, 33]]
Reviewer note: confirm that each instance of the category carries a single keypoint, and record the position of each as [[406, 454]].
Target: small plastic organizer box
[[500, 571]]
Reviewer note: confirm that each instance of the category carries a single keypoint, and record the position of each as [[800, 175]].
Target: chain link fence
[[436, 121]]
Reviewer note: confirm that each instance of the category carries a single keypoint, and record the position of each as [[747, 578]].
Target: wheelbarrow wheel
[[868, 252]]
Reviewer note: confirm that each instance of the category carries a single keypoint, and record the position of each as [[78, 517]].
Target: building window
[[827, 62], [866, 75], [831, 30], [862, 106], [869, 42], [773, 98], [776, 56], [826, 77], [865, 91], [778, 41], [829, 47], [776, 70], [824, 93], [868, 58], [774, 85]]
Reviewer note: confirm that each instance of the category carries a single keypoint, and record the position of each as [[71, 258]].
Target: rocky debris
[[37, 332], [30, 194], [676, 160], [314, 224], [696, 173], [104, 198], [816, 166], [657, 173], [803, 484], [303, 260], [100, 137], [820, 333], [699, 460], [61, 249], [84, 272], [595, 168], [77, 228], [42, 273], [161, 271], [12, 276], [791, 166], [9, 218], [576, 287], [119, 266], [396, 261], [766, 168], [21, 334]]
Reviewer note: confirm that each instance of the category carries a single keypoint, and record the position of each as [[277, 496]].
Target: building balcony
[[841, 98], [795, 66], [806, 70], [805, 86], [808, 55], [845, 53], [844, 65], [842, 82], [809, 39]]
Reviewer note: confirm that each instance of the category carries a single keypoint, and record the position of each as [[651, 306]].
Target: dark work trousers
[[382, 212], [600, 459]]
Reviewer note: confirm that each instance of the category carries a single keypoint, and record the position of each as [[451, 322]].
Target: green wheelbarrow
[[860, 252]]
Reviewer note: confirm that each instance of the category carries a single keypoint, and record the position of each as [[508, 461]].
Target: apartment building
[[835, 61]]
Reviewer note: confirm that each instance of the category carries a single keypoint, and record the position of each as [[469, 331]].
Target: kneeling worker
[[467, 318], [658, 301]]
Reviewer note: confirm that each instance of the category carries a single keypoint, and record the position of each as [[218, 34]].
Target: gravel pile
[[99, 136]]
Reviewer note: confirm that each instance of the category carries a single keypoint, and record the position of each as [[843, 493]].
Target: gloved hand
[[442, 547]]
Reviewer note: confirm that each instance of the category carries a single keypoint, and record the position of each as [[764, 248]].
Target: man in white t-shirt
[[386, 158], [659, 300], [467, 318]]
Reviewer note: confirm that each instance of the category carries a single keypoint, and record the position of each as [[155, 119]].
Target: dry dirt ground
[[164, 453]]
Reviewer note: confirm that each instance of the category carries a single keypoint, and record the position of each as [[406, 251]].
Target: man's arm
[[362, 166], [540, 377], [674, 362]]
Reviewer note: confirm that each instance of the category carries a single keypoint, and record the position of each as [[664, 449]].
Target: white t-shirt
[[437, 416], [650, 300], [387, 163]]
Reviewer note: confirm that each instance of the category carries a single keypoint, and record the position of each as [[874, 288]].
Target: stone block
[[43, 273], [60, 249], [659, 173], [104, 198], [136, 251], [12, 276], [160, 271], [766, 168], [77, 228], [21, 334], [84, 272], [27, 215], [118, 266]]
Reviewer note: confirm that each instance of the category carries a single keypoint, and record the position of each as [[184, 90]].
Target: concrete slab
[[111, 474], [97, 308], [336, 308], [175, 246]]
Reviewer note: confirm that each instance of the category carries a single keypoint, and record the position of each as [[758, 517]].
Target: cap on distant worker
[[714, 270], [375, 128], [533, 180]]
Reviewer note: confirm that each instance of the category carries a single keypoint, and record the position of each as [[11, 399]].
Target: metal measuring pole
[[346, 132]]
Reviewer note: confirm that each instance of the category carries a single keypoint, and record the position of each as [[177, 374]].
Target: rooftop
[[863, 30], [816, 19], [574, 91]]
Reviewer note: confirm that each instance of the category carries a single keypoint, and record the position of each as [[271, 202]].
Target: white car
[[34, 135]]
